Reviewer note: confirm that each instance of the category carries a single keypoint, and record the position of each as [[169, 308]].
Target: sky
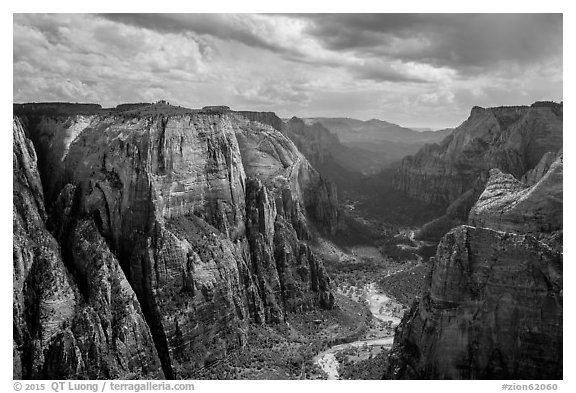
[[417, 70]]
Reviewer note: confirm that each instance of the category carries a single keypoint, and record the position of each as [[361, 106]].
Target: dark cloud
[[471, 42], [224, 26], [411, 69]]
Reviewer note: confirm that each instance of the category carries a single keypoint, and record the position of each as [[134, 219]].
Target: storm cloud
[[414, 69], [461, 41]]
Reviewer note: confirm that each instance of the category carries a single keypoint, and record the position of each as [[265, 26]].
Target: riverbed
[[385, 310]]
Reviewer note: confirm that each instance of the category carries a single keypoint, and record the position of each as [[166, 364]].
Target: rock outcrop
[[204, 211], [509, 205], [79, 319], [268, 118], [512, 139], [274, 158], [534, 175], [338, 164], [493, 309]]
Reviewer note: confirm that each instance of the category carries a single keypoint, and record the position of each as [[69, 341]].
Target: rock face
[[512, 139], [338, 164], [269, 118], [205, 212], [493, 311], [75, 319], [314, 140], [494, 306], [273, 158], [511, 206], [534, 175]]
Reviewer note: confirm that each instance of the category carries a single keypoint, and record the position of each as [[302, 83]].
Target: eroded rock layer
[[204, 212], [493, 309], [509, 205], [512, 139], [79, 319]]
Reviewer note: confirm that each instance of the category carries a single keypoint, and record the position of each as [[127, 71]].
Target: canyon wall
[[338, 164], [509, 205], [453, 173], [75, 315], [201, 215], [512, 139], [493, 309]]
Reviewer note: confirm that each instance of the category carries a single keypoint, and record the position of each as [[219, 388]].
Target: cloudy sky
[[415, 70]]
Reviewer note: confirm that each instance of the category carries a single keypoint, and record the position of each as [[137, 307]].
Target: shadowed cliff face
[[296, 186], [512, 139], [493, 309], [205, 213], [74, 319], [454, 172], [336, 162]]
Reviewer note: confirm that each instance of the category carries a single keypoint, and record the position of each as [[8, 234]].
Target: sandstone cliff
[[205, 212], [511, 206], [338, 164], [78, 319], [493, 309], [512, 139]]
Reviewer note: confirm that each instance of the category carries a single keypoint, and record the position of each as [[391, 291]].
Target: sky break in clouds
[[416, 70]]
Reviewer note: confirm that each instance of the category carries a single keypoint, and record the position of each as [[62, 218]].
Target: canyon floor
[[375, 282]]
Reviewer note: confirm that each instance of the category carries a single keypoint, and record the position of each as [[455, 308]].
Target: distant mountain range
[[383, 142], [453, 173], [493, 308], [353, 131]]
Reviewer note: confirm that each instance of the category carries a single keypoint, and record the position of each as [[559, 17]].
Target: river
[[384, 309]]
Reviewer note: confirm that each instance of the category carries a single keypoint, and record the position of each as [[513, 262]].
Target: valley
[[375, 282], [358, 333], [221, 247], [288, 196]]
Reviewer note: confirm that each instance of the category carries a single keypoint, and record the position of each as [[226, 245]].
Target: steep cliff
[[269, 118], [296, 186], [493, 309], [511, 206], [336, 163], [314, 140], [206, 212], [512, 139], [74, 319], [534, 175]]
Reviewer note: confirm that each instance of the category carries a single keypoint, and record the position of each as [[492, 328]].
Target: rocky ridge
[[322, 148], [377, 143], [454, 172], [509, 205], [512, 139], [204, 213], [74, 317], [494, 305]]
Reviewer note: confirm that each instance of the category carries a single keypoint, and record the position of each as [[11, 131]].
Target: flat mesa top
[[132, 109]]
